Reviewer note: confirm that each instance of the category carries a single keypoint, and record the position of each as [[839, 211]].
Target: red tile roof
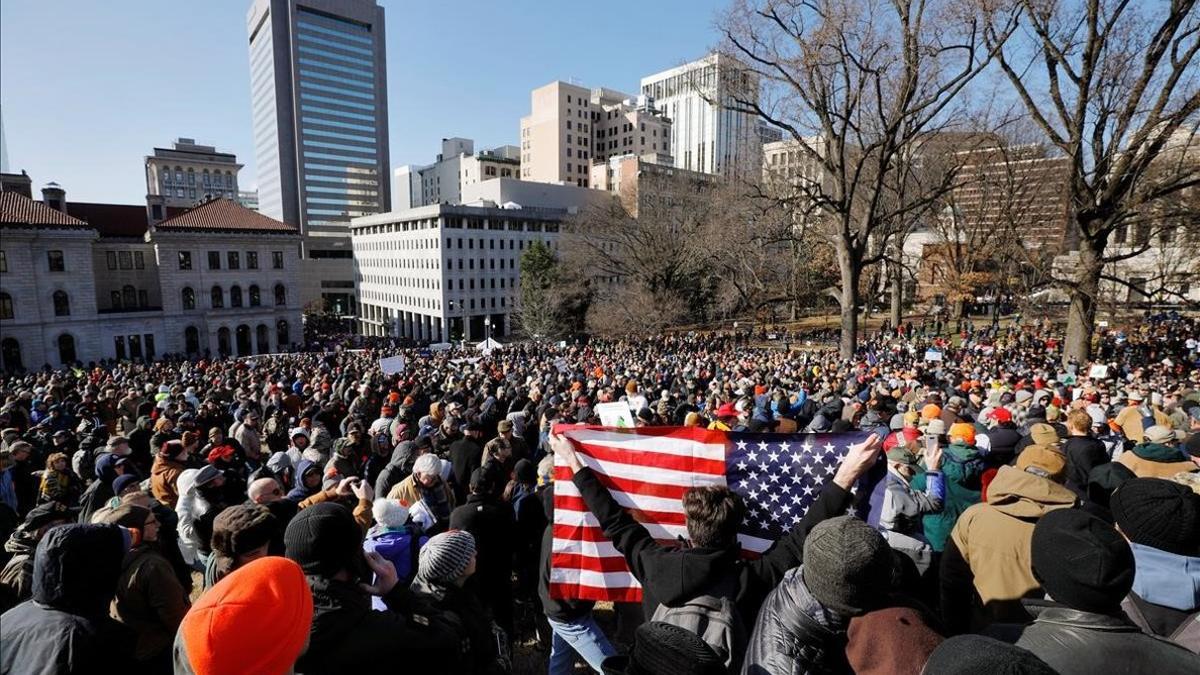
[[224, 215], [112, 220], [17, 210]]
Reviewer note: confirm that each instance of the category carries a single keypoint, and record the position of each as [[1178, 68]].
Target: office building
[[457, 165], [318, 83], [570, 126], [706, 134], [187, 172], [82, 282], [447, 272]]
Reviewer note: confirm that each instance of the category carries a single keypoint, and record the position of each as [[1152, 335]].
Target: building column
[[440, 328], [427, 327]]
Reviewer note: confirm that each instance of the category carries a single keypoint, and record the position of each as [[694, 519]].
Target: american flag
[[648, 469]]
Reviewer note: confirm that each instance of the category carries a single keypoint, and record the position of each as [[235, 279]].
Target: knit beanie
[[256, 620], [129, 516], [390, 513], [895, 640], [1043, 434], [242, 528], [324, 538], [1081, 561], [964, 431], [1160, 514], [975, 654], [427, 464], [1043, 461], [665, 648], [444, 558], [847, 565]]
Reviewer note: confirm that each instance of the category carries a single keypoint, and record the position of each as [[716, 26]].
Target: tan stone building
[[187, 172]]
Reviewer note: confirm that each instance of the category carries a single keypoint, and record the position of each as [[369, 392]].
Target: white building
[[449, 271], [457, 165], [85, 282], [706, 135]]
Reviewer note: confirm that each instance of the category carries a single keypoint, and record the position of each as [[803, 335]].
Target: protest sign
[[933, 355], [614, 414], [1098, 372], [392, 365]]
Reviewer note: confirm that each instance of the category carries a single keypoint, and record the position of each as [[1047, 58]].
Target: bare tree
[[1110, 83], [857, 85]]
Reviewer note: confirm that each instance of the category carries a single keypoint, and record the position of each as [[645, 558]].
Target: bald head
[[264, 491]]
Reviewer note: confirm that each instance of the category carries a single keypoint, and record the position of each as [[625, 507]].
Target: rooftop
[[224, 215], [112, 220], [17, 210]]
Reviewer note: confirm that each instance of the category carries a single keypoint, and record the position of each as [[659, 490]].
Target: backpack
[[714, 617]]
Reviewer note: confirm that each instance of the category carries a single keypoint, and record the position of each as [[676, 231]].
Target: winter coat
[[993, 541], [471, 620], [347, 636], [1073, 642], [1084, 453], [494, 527], [59, 486], [671, 575], [962, 468], [401, 548], [17, 576], [399, 468], [466, 455], [1165, 600], [150, 601], [189, 509], [1002, 444], [795, 634], [900, 517], [408, 493], [65, 627], [164, 479], [299, 493], [1153, 460]]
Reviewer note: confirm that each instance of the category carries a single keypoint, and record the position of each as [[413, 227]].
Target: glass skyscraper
[[318, 85]]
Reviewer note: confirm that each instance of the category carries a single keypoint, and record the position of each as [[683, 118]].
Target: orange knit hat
[[930, 411], [256, 620], [964, 431]]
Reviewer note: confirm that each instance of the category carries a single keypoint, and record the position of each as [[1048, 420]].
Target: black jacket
[[671, 575], [471, 620], [347, 636], [465, 455], [397, 469], [1083, 643], [1003, 440], [65, 627], [789, 639], [1084, 453]]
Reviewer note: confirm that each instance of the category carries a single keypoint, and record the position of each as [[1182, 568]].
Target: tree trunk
[[897, 280], [850, 271], [1081, 314]]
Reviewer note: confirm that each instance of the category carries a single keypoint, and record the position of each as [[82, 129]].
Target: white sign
[[615, 414], [392, 365], [561, 364], [933, 355], [1098, 372]]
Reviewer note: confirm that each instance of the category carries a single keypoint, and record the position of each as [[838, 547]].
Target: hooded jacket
[[1165, 599], [17, 577], [672, 575], [164, 479], [397, 469], [990, 550], [1154, 460], [65, 627], [795, 634], [299, 493], [100, 491], [150, 600], [962, 468]]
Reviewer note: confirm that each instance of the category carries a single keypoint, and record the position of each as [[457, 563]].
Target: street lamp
[[487, 326]]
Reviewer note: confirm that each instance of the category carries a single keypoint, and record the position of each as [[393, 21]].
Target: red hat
[[256, 620], [1001, 415], [727, 410], [221, 452]]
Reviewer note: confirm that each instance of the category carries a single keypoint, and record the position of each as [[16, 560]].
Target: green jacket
[[962, 467]]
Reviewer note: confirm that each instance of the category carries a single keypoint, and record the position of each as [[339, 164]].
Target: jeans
[[581, 635]]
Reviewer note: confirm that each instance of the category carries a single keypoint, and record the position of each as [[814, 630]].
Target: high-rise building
[[318, 82], [186, 173], [570, 126], [457, 165], [706, 133]]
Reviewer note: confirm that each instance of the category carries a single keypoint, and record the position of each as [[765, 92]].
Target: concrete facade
[[187, 172], [457, 165]]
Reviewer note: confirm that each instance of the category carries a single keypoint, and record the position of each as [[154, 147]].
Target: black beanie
[[974, 654], [1081, 561], [1159, 513], [324, 539]]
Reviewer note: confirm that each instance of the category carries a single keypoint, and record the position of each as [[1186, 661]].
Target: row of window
[[125, 260], [233, 260], [207, 180], [217, 297], [240, 339], [59, 299]]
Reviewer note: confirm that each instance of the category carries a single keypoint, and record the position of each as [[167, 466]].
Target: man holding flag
[[710, 562]]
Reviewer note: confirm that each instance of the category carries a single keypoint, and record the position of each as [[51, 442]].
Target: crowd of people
[[308, 513]]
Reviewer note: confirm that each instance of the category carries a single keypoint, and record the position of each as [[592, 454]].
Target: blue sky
[[89, 88]]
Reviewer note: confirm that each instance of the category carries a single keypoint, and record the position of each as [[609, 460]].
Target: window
[[6, 306], [115, 299], [276, 260], [191, 340], [66, 348], [235, 296], [129, 296], [235, 260], [62, 304], [119, 347], [148, 339], [280, 300], [188, 297], [214, 260], [251, 260], [281, 334], [218, 297], [56, 262], [139, 260], [185, 260], [255, 296], [3, 261], [156, 211], [191, 177], [111, 258], [143, 298], [126, 260]]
